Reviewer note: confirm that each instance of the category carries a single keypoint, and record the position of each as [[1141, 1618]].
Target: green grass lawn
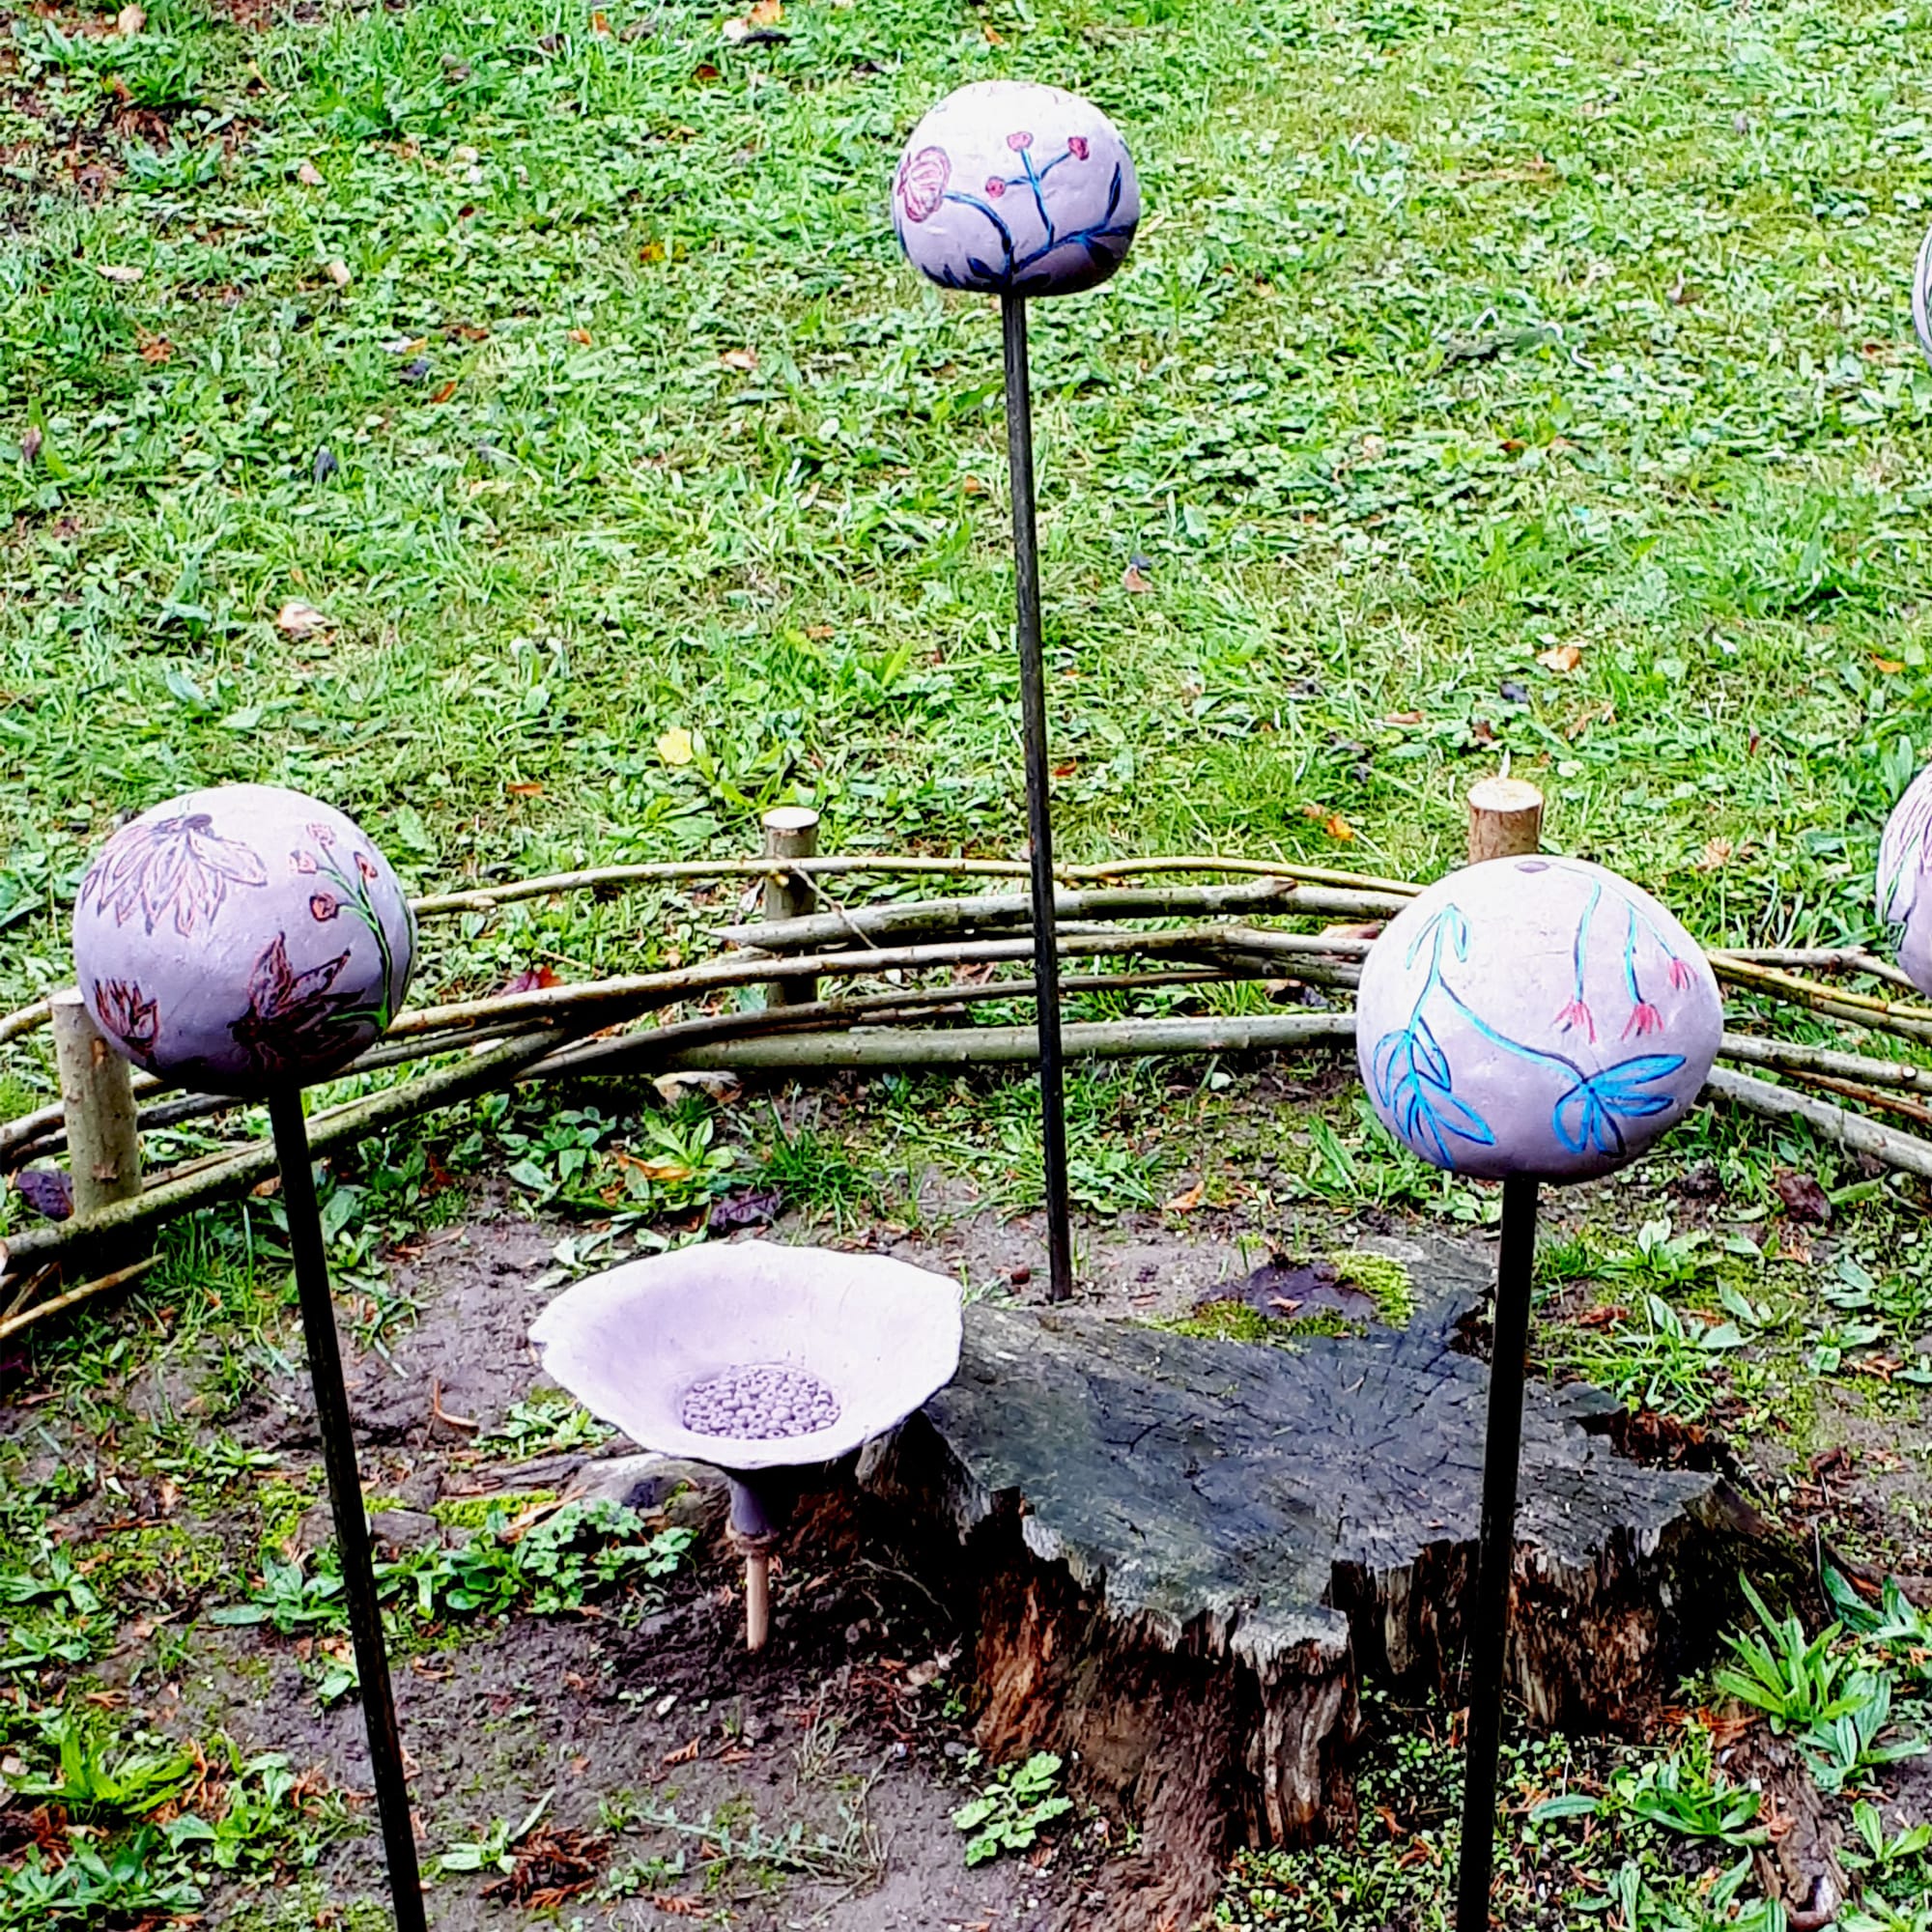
[[565, 362]]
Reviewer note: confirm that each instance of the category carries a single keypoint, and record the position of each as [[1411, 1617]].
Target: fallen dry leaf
[[766, 14], [1717, 852], [524, 788], [1332, 822], [296, 619], [599, 22], [992, 33], [30, 443], [338, 274], [674, 747], [310, 176], [1802, 1198], [746, 360], [581, 336], [1135, 583], [123, 272], [1561, 657], [1891, 666], [1185, 1202], [684, 1755], [130, 19], [156, 348]]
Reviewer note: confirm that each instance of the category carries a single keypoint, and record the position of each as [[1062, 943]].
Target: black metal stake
[[1490, 1626], [345, 1495], [1040, 826]]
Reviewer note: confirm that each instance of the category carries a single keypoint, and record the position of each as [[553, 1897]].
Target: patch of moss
[[474, 1512], [1236, 1321], [1228, 1321], [1385, 1281]]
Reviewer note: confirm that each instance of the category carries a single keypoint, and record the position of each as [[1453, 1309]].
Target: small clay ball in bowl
[[240, 938], [1012, 187], [1535, 1016]]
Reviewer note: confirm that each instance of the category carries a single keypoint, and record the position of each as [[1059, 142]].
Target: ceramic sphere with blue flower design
[[1012, 187], [1535, 1016], [241, 938]]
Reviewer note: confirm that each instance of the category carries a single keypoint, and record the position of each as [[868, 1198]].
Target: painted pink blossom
[[324, 906], [922, 182], [1019, 143], [1681, 975], [295, 1021], [996, 188], [366, 865], [1645, 1019], [1577, 1014], [128, 1013], [322, 836], [1076, 146], [302, 862]]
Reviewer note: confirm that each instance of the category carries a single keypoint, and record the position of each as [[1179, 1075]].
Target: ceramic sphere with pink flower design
[[1012, 187], [241, 938], [1535, 1016]]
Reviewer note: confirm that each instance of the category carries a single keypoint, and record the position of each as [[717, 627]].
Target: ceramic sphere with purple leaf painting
[[241, 938], [1537, 1017], [1905, 879], [1012, 187]]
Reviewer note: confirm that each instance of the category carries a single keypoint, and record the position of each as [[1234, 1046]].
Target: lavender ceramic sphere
[[1905, 879], [1010, 188], [240, 938], [1537, 1017]]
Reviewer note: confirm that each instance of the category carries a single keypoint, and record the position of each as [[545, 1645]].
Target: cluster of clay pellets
[[758, 1401]]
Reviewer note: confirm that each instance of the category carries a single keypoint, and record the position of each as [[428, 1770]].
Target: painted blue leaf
[[984, 270], [1413, 1084], [1588, 1114]]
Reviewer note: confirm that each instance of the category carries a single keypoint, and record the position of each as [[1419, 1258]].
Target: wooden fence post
[[103, 1142], [791, 832], [1505, 819]]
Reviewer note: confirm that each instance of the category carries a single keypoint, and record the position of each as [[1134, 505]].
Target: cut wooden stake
[[791, 832], [1505, 819], [757, 1599], [103, 1140]]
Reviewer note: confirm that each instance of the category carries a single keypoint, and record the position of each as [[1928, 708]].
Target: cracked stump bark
[[1182, 1557]]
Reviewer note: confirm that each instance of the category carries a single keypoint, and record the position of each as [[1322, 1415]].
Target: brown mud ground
[[810, 1786]]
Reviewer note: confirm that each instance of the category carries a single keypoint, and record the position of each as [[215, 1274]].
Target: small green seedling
[[1009, 1812]]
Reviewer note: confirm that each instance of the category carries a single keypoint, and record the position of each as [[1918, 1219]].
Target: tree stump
[[1181, 1556]]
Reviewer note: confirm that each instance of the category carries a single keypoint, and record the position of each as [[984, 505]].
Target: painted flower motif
[[176, 868], [128, 1013], [1681, 975], [304, 863], [324, 906], [366, 865], [922, 182], [323, 835], [1019, 143], [1577, 1014], [1645, 1019], [995, 186], [294, 1020], [1076, 146]]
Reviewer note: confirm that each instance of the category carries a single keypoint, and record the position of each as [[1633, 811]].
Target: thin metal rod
[[1488, 1643], [345, 1495], [1040, 826]]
